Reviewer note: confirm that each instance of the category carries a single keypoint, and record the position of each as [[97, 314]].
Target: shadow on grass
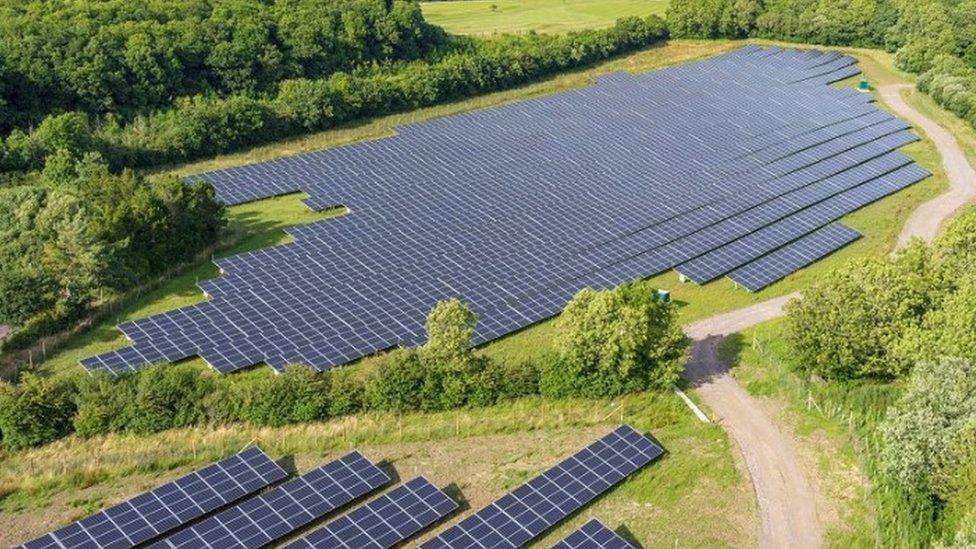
[[730, 350], [629, 536]]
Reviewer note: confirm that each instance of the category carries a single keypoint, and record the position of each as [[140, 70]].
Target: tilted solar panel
[[169, 506], [385, 521], [798, 254], [267, 517], [534, 507], [593, 535]]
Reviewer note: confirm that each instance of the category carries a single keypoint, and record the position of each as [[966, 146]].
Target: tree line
[[415, 69], [907, 321], [123, 57], [608, 343], [933, 38]]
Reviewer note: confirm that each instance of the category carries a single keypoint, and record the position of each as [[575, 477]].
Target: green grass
[[516, 16], [482, 453]]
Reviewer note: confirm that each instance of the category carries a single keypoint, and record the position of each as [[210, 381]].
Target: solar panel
[[267, 517], [385, 521], [513, 209], [169, 506], [593, 535], [534, 507], [796, 255]]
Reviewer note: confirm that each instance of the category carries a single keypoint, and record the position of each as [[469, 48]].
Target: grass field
[[516, 16], [693, 497]]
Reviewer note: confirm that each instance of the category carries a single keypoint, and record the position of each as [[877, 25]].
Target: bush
[[346, 392], [167, 396], [101, 401], [36, 411], [938, 404], [615, 341], [398, 383], [848, 324]]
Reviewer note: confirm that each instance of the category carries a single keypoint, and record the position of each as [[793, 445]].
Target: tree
[[25, 293], [847, 325], [36, 411], [947, 331], [69, 132], [937, 405], [615, 341], [450, 327]]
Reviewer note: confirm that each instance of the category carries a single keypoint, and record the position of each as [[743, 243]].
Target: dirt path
[[786, 497], [785, 494], [926, 220]]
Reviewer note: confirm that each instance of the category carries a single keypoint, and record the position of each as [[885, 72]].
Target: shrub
[[298, 395], [101, 401], [847, 325], [938, 403], [346, 392], [35, 411], [616, 341], [167, 396], [397, 384]]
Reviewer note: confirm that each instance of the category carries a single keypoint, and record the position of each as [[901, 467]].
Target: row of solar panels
[[731, 166], [200, 510]]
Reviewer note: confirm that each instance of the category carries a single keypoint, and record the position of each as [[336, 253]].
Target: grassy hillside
[[481, 453], [512, 16]]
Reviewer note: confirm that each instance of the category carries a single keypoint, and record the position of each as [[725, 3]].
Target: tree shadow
[[730, 351], [628, 536]]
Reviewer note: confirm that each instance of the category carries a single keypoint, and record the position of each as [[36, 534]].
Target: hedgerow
[[444, 373]]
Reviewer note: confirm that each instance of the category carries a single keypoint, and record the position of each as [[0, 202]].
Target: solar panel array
[[385, 521], [706, 167], [169, 506], [799, 253], [269, 516], [534, 507], [593, 535]]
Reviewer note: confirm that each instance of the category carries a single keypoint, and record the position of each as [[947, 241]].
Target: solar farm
[[235, 503], [739, 165]]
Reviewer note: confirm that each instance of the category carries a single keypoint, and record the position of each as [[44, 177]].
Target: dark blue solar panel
[[265, 518], [513, 209], [798, 254], [593, 535], [385, 521], [534, 507], [169, 506]]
